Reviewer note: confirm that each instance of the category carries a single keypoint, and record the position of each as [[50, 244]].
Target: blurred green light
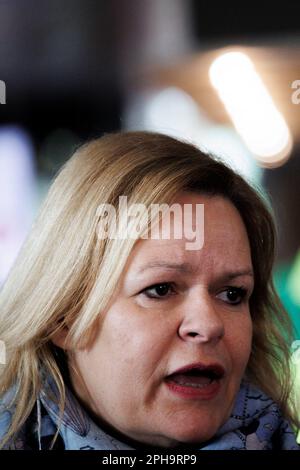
[[293, 281]]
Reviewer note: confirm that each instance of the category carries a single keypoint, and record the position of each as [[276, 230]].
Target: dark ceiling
[[224, 20]]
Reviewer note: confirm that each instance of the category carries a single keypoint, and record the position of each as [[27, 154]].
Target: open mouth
[[196, 377], [193, 378]]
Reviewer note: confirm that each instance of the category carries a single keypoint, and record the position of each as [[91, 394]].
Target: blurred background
[[225, 76]]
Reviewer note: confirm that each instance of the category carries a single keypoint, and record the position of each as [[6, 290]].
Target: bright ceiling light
[[251, 108]]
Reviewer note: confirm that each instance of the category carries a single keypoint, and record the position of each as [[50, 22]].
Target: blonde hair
[[66, 275]]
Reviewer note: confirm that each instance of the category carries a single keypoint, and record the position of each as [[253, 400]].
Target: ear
[[59, 338]]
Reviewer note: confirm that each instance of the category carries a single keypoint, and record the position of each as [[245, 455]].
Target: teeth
[[193, 384], [196, 381]]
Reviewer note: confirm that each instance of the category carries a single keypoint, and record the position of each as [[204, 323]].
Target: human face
[[195, 318]]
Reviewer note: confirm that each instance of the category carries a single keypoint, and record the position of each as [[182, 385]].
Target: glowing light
[[251, 108]]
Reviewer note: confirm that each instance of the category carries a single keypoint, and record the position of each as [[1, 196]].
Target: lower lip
[[206, 393]]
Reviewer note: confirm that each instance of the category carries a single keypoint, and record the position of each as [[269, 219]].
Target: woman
[[124, 342]]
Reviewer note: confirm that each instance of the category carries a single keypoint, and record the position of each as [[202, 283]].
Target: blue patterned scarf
[[256, 423]]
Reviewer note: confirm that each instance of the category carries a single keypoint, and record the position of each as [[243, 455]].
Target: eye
[[233, 295], [159, 291]]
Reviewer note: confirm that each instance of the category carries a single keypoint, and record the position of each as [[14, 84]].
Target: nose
[[201, 322]]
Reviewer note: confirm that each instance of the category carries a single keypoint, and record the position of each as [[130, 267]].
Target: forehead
[[226, 243]]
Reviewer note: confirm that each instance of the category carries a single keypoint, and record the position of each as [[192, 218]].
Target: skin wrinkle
[[140, 341], [187, 268]]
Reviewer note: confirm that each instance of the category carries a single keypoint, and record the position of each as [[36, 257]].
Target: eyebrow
[[187, 268]]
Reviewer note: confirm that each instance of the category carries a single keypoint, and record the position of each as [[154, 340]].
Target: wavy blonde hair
[[66, 275]]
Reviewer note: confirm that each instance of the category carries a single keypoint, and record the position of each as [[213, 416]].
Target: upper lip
[[214, 368]]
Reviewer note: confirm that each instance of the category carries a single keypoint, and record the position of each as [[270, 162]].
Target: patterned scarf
[[256, 423]]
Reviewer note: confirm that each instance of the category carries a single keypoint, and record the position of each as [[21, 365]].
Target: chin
[[193, 434]]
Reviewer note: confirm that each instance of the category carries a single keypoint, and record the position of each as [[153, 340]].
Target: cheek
[[124, 348], [240, 342], [141, 337]]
